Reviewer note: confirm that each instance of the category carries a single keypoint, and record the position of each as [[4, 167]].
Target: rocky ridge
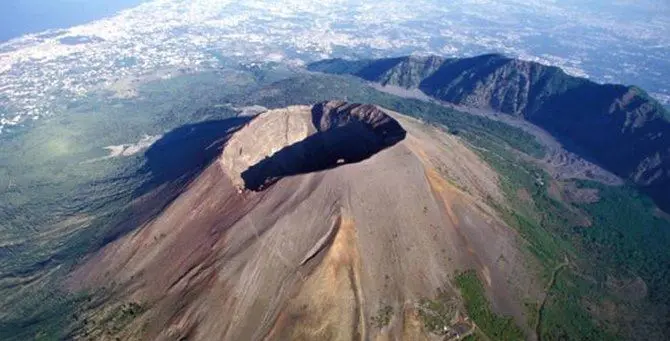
[[619, 127]]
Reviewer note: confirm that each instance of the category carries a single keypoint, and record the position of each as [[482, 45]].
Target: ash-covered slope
[[332, 222], [620, 127]]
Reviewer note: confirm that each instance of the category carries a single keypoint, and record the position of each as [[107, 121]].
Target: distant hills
[[620, 127]]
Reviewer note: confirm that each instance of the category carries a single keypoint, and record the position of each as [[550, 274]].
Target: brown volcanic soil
[[316, 252]]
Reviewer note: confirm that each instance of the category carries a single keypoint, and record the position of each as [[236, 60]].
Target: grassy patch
[[479, 309], [383, 317], [564, 316], [113, 322], [628, 237], [437, 314]]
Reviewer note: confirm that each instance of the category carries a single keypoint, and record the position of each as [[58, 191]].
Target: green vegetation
[[123, 315], [45, 314], [628, 237], [564, 316], [544, 223], [437, 314], [474, 337], [383, 317], [625, 238], [479, 309], [113, 322]]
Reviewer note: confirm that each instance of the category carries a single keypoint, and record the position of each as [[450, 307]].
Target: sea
[[20, 17]]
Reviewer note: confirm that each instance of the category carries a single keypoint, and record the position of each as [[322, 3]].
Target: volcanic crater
[[312, 221]]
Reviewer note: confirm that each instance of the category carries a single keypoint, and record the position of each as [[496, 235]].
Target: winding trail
[[540, 308]]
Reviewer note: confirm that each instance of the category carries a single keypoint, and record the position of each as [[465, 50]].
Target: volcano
[[335, 221]]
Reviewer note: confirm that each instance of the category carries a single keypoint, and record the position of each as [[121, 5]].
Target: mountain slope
[[346, 246], [620, 127], [615, 284]]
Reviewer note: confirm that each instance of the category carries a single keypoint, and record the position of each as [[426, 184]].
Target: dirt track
[[540, 308]]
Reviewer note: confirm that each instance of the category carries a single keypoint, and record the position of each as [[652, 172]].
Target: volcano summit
[[332, 222]]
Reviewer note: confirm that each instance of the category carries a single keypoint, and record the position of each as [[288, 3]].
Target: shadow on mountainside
[[184, 152], [171, 163]]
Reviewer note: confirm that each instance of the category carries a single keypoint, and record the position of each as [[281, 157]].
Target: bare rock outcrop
[[265, 135]]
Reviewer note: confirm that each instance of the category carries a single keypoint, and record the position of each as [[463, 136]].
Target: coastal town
[[158, 38]]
